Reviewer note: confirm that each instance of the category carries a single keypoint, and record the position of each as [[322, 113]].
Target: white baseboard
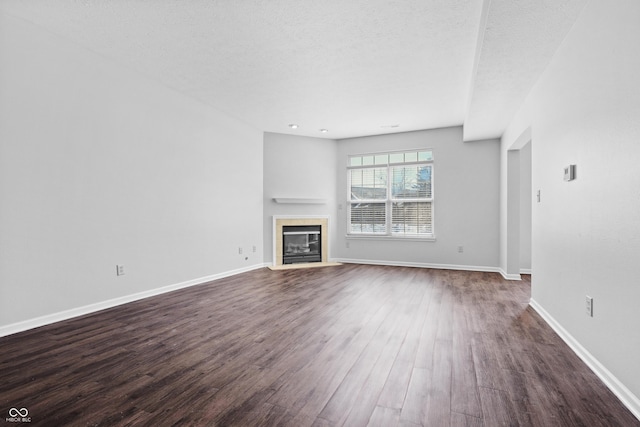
[[92, 308], [525, 271], [630, 400], [436, 266], [420, 265], [510, 276]]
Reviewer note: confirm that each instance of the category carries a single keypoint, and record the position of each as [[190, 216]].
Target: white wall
[[100, 166], [586, 233], [298, 167], [466, 197], [526, 198]]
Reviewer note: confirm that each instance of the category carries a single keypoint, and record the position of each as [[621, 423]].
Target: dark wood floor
[[349, 345]]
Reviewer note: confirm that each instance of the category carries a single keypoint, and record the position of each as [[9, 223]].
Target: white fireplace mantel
[[299, 201]]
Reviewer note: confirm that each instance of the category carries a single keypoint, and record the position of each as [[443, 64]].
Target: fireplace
[[301, 244], [300, 240]]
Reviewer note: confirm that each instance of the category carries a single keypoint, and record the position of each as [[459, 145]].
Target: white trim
[[628, 399], [420, 265], [431, 265], [92, 308], [300, 217], [383, 237], [509, 276], [525, 271], [378, 153], [295, 200]]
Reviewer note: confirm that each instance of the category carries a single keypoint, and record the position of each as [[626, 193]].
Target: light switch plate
[[570, 173], [589, 306]]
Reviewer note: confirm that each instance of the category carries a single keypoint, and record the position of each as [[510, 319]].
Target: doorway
[[518, 259]]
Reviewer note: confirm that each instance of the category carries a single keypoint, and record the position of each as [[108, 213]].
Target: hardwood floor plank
[[497, 409], [395, 388], [464, 420], [489, 374], [264, 415], [427, 339], [438, 410], [415, 403], [464, 387], [384, 417]]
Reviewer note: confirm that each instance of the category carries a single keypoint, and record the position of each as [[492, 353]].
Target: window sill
[[390, 237]]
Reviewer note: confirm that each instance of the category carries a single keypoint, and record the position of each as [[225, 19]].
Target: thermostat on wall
[[570, 173]]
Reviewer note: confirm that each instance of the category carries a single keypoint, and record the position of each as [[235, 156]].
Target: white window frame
[[389, 200]]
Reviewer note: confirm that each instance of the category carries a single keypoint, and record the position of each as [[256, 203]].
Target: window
[[391, 194]]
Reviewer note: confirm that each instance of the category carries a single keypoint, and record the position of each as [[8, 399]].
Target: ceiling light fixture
[[324, 130], [293, 126]]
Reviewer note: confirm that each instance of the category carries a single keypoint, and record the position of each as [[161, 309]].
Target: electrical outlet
[[589, 306], [119, 270], [460, 249], [240, 251], [254, 249]]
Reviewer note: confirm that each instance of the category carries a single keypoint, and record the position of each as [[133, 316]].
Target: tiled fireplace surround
[[280, 221]]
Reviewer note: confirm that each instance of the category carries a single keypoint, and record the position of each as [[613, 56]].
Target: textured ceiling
[[355, 67], [518, 39]]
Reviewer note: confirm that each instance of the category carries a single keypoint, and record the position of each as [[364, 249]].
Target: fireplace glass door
[[301, 243]]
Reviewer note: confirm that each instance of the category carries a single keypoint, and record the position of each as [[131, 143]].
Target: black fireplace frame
[[314, 244]]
